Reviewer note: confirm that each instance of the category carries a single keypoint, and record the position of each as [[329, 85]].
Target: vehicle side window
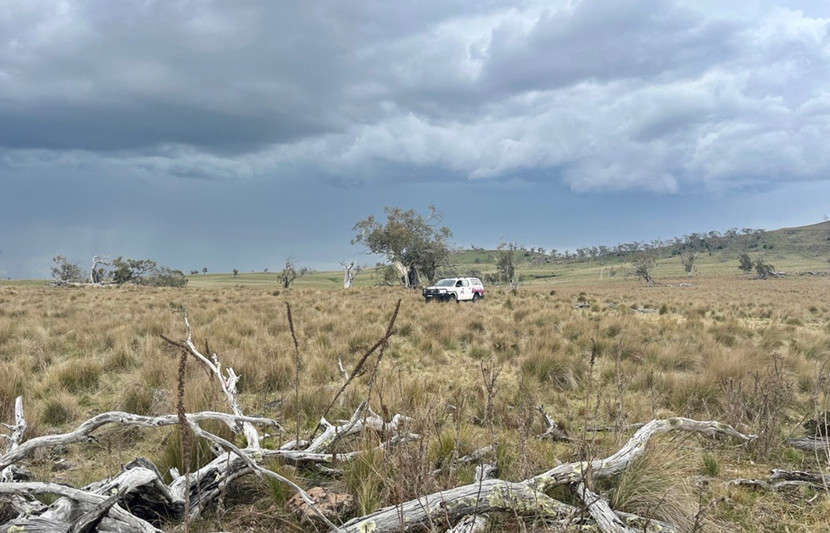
[[458, 283], [465, 283]]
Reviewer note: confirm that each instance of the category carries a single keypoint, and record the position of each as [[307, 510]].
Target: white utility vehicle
[[455, 289]]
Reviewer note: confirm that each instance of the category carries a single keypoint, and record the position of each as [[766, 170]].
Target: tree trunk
[[403, 271]]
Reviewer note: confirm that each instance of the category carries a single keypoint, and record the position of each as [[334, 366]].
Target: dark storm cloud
[[597, 94]]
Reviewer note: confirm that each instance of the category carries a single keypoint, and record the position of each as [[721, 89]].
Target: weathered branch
[[782, 479], [59, 513], [553, 432], [356, 371], [249, 463], [83, 432], [600, 511], [226, 382], [528, 497], [810, 444], [633, 449]]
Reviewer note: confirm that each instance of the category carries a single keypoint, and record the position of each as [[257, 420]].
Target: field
[[746, 352]]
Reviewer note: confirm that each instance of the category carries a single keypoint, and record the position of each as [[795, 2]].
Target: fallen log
[[83, 432], [528, 497], [810, 444]]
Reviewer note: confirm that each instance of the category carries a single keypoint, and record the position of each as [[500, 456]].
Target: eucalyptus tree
[[416, 245]]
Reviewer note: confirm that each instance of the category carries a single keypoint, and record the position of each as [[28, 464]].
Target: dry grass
[[746, 352]]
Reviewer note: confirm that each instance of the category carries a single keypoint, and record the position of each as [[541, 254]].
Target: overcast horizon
[[236, 135]]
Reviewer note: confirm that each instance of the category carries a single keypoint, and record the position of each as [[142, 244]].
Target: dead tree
[[350, 271], [94, 273]]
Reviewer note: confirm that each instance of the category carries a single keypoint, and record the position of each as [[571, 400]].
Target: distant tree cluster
[[145, 272], [688, 247], [121, 271]]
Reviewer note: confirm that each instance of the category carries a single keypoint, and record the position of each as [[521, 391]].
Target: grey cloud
[[599, 94], [606, 40]]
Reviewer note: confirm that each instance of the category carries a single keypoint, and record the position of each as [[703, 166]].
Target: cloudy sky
[[236, 134]]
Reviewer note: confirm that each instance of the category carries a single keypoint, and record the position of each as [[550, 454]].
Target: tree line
[[118, 271]]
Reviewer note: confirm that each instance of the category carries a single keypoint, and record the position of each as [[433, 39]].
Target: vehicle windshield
[[445, 283]]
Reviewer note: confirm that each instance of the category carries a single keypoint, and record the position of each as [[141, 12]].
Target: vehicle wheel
[[476, 297], [454, 298], [426, 300]]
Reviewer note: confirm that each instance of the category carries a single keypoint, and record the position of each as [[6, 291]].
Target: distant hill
[[797, 249], [810, 241]]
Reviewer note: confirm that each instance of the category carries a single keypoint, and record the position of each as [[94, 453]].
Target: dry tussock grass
[[708, 353]]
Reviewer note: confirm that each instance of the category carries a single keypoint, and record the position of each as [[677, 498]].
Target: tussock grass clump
[[59, 409], [13, 384], [656, 486], [76, 376], [561, 371], [366, 477]]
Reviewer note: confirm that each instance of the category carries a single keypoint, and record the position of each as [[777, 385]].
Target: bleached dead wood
[[815, 478], [206, 484], [810, 444], [94, 276], [350, 270], [782, 479], [359, 421], [528, 497], [59, 517], [17, 431], [633, 449], [83, 432], [600, 511], [470, 524], [21, 503], [227, 381], [553, 431]]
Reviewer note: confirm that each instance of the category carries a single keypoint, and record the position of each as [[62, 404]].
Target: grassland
[[748, 352]]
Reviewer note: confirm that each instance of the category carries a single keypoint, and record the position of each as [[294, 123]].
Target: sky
[[222, 135]]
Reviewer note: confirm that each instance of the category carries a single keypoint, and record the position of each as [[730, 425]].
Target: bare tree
[[96, 274], [350, 271], [643, 267], [235, 272], [291, 272]]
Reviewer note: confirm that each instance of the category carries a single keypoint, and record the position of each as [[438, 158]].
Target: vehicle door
[[466, 291]]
